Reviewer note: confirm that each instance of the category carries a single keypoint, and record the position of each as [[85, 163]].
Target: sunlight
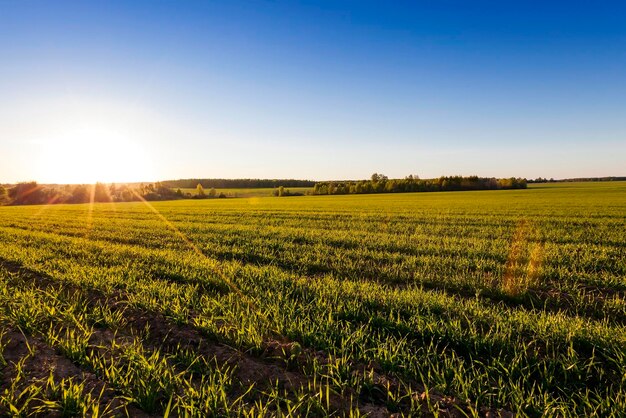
[[98, 155]]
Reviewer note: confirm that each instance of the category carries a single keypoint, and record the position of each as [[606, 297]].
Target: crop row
[[356, 304]]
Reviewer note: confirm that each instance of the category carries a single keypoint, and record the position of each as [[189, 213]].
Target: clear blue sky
[[123, 91]]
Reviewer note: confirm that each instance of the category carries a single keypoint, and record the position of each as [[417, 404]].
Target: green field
[[438, 304]]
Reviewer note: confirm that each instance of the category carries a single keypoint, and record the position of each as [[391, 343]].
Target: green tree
[[212, 192], [4, 197], [200, 190], [79, 194], [101, 193], [28, 193], [378, 177], [112, 191]]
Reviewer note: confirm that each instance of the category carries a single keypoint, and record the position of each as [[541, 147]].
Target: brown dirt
[[45, 361]]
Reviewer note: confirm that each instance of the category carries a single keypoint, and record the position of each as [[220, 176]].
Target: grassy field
[[438, 304], [260, 192]]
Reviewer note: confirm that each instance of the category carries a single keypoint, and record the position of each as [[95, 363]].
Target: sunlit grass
[[403, 301]]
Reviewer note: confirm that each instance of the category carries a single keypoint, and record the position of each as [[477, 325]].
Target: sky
[[145, 91]]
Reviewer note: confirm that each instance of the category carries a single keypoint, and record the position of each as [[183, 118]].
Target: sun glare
[[89, 157]]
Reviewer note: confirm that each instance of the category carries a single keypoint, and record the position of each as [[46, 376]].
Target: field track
[[489, 303]]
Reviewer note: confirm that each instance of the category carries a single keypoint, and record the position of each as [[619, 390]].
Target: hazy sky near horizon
[[142, 91]]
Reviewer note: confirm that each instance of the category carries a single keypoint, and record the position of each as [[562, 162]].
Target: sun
[[92, 156]]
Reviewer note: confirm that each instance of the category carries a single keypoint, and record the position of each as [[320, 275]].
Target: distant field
[[451, 303], [263, 192]]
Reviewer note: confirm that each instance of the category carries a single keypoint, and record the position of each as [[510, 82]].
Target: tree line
[[237, 183], [31, 193], [380, 183], [577, 179]]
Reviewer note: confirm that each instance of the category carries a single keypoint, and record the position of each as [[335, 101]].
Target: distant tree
[[212, 192], [281, 191], [200, 191], [165, 193], [376, 177], [79, 194], [101, 193], [4, 196], [29, 193], [179, 192], [127, 194]]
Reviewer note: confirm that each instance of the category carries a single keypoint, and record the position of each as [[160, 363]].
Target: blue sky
[[140, 91]]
